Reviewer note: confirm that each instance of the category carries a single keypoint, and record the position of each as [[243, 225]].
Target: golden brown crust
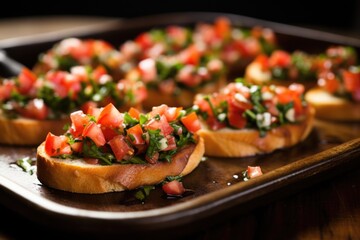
[[247, 142], [28, 132], [80, 177], [185, 99], [331, 107]]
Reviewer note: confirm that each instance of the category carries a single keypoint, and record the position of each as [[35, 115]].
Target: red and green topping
[[106, 136], [344, 83], [301, 66], [240, 105], [72, 52], [57, 93]]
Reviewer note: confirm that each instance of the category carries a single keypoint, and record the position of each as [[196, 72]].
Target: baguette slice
[[28, 132], [75, 175], [330, 107], [247, 142]]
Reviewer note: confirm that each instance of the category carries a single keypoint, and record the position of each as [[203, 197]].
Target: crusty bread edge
[[79, 177], [28, 132], [247, 142], [330, 107]]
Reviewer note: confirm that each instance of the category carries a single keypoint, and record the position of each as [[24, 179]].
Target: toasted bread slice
[[75, 175], [331, 107], [248, 142]]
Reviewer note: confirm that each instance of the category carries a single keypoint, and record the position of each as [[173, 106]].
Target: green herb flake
[[143, 192], [27, 164]]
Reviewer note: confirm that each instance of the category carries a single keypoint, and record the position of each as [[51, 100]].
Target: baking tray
[[216, 188]]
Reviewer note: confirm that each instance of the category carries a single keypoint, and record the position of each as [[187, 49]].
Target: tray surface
[[216, 185]]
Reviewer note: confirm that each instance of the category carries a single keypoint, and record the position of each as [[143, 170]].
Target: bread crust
[[247, 142], [75, 175], [28, 132], [330, 107]]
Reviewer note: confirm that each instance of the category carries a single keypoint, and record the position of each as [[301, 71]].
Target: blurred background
[[338, 15]]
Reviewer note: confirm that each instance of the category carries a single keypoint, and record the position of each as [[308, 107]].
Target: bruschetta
[[337, 96], [244, 120], [107, 151], [283, 67], [31, 106]]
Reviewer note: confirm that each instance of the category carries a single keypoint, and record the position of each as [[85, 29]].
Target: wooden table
[[326, 210]]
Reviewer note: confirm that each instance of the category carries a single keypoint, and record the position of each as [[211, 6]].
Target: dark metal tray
[[217, 185]]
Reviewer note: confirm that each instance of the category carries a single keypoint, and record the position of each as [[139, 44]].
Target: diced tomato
[[191, 122], [136, 133], [190, 55], [174, 187], [177, 35], [235, 117], [120, 148], [280, 59], [134, 113], [93, 131], [93, 161], [5, 89], [222, 27], [56, 145], [172, 113], [187, 75], [214, 124], [298, 88], [110, 116], [77, 146], [285, 95], [87, 105], [26, 80], [161, 124], [144, 40], [263, 60], [148, 70], [254, 171], [80, 72], [98, 72], [158, 110], [78, 122], [35, 109], [329, 82], [351, 81], [109, 133]]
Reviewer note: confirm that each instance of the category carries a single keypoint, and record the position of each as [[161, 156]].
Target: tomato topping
[[172, 113], [5, 89], [191, 122], [56, 145], [351, 81], [174, 187], [93, 131], [26, 80], [134, 113], [35, 109], [280, 58], [222, 27], [253, 172], [135, 134], [78, 122], [110, 116], [120, 148]]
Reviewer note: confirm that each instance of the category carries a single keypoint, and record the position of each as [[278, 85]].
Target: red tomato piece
[[56, 145], [191, 122], [280, 59], [5, 89], [351, 81], [120, 148], [174, 187], [109, 133], [136, 133], [134, 113], [35, 109], [26, 80], [93, 131], [110, 116], [254, 171], [172, 113], [222, 27], [78, 122], [161, 124]]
